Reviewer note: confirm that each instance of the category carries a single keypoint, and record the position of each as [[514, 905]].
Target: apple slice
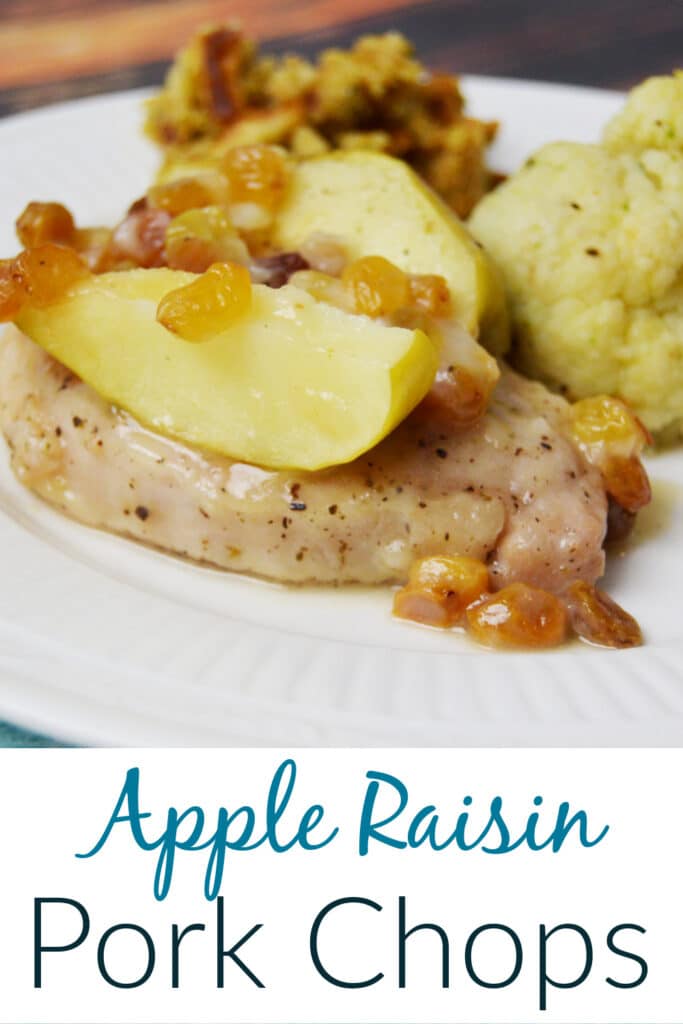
[[376, 205], [293, 383]]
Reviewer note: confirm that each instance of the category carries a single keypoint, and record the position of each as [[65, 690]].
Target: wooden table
[[58, 49]]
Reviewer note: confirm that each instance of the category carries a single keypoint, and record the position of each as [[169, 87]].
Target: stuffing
[[590, 242], [221, 92]]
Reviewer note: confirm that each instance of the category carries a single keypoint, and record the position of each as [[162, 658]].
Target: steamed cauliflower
[[651, 119], [590, 241]]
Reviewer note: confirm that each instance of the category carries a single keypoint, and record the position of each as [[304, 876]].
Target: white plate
[[104, 641]]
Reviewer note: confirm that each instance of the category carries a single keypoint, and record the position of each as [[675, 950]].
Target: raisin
[[595, 617]]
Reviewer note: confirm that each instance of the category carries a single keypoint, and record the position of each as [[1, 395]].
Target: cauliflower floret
[[590, 242], [651, 119]]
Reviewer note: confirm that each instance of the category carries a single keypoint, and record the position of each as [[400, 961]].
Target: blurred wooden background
[[58, 49]]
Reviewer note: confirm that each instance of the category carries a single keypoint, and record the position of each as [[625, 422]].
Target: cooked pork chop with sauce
[[513, 489]]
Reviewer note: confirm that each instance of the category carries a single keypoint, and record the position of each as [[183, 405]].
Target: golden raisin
[[626, 481], [606, 422], [197, 238], [12, 290], [440, 588], [178, 196], [595, 617], [48, 271], [45, 222], [430, 293], [458, 578], [457, 398], [376, 287], [209, 304], [424, 606], [519, 615], [256, 174]]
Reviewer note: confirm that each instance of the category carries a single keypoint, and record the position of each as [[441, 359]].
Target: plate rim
[[82, 731], [140, 93]]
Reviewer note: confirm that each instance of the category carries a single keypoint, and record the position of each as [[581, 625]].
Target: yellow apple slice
[[292, 383], [377, 205]]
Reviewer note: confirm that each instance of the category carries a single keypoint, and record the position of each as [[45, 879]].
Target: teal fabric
[[12, 736]]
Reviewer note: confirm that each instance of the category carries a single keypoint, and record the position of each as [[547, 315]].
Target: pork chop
[[512, 489]]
